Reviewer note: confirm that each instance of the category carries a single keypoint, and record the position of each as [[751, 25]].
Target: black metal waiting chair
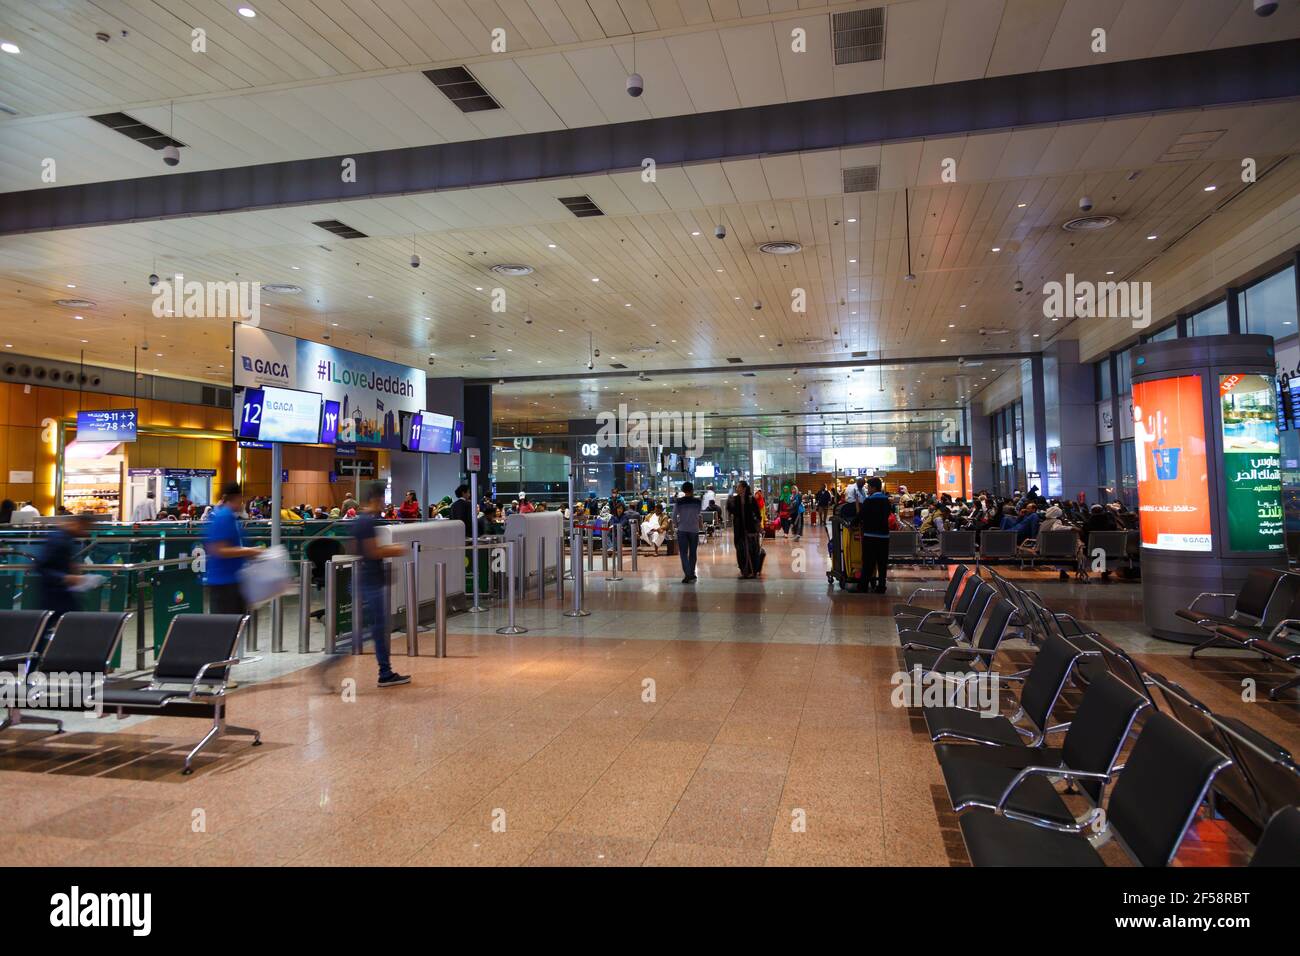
[[1251, 606], [77, 657], [1150, 809], [936, 621], [949, 595], [1110, 546], [1041, 690], [1279, 845], [20, 642], [978, 776], [905, 547], [997, 546], [957, 545], [190, 677]]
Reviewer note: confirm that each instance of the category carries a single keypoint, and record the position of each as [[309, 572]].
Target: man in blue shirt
[[223, 543], [56, 566], [374, 586]]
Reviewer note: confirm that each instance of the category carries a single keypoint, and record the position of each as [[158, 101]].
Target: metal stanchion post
[[356, 608], [476, 607], [412, 607], [576, 564], [331, 606], [304, 604], [440, 612], [541, 569], [559, 566], [511, 627], [591, 548], [616, 564], [636, 541]]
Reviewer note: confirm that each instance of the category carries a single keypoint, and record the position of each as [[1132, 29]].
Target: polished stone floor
[[724, 722]]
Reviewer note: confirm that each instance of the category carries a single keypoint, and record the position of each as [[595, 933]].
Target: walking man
[[686, 513], [374, 587]]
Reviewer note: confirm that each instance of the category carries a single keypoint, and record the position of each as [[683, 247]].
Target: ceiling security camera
[[720, 231], [1085, 204], [596, 353], [757, 305], [431, 359], [1019, 286], [635, 85], [1265, 8], [171, 155], [153, 279], [590, 365], [528, 319], [415, 260]]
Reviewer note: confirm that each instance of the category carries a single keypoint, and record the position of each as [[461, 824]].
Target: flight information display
[[432, 433], [280, 415]]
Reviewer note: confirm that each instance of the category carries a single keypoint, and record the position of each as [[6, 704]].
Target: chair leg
[[1215, 639], [246, 732], [1294, 682], [208, 738], [37, 719]]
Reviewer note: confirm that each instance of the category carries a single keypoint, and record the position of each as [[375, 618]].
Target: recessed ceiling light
[[8, 345], [478, 288], [248, 12], [550, 245], [595, 278], [370, 297], [943, 340], [952, 325], [1035, 335], [294, 268], [428, 318], [963, 305], [1211, 188], [85, 341], [71, 286], [1110, 272], [695, 233], [1153, 236], [1021, 205], [852, 261], [997, 248], [79, 318], [852, 220], [9, 47]]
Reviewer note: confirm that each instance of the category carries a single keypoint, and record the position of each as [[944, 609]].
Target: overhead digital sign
[[432, 433], [107, 425], [1252, 463], [280, 415], [1169, 444]]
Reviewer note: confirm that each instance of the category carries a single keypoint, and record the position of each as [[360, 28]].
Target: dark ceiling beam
[[1186, 81], [652, 374]]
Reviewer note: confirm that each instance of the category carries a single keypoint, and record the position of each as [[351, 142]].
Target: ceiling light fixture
[[10, 47], [247, 12]]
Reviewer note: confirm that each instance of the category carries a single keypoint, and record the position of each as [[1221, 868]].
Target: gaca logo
[[263, 367]]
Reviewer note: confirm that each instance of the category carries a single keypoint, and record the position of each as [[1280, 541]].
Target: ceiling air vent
[[859, 355], [74, 303], [581, 206], [1089, 223], [512, 269], [780, 247], [340, 229], [465, 92], [279, 288], [862, 179], [735, 361], [859, 35], [749, 375], [617, 365], [132, 128]]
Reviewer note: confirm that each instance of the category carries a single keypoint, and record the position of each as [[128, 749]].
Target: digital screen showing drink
[[1169, 444], [432, 433], [280, 415], [1252, 463]]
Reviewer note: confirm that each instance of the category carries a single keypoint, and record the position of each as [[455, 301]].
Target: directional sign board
[[107, 425]]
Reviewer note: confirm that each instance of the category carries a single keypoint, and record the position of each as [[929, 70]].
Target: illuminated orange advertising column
[[1169, 443], [952, 470], [1207, 462]]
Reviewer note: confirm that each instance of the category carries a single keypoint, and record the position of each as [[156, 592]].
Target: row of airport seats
[[64, 668], [1116, 549], [1138, 755], [1263, 616]]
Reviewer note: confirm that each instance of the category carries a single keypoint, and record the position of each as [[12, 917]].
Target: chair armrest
[[962, 649], [926, 591], [198, 678], [951, 615], [1028, 772], [1283, 625], [1206, 594]]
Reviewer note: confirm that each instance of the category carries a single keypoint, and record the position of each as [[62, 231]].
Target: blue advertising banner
[[369, 393], [107, 425]]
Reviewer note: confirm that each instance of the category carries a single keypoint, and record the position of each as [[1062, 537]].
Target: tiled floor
[[722, 723]]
